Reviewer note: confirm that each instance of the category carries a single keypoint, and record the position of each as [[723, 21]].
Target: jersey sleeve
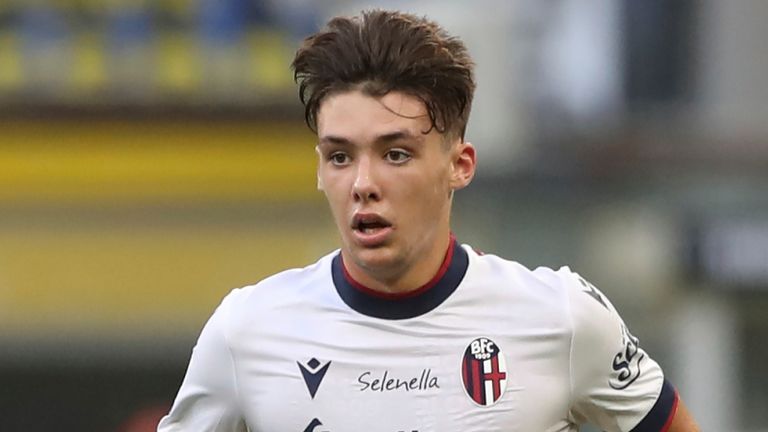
[[615, 384], [207, 400]]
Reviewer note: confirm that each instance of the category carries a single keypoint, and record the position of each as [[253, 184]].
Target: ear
[[319, 161], [463, 165]]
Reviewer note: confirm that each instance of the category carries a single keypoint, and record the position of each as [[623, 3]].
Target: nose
[[365, 187]]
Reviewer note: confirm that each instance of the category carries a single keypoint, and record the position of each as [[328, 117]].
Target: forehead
[[357, 116]]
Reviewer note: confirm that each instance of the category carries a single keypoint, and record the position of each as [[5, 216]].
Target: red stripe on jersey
[[477, 393], [672, 413], [660, 417], [465, 374]]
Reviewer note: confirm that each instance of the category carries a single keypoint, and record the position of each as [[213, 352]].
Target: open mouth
[[369, 223]]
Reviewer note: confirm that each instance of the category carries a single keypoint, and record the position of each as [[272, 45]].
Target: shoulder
[[277, 291], [290, 279], [552, 285]]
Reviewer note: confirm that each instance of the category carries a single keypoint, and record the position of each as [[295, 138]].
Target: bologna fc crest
[[484, 372]]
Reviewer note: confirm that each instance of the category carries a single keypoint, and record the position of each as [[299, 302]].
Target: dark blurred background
[[153, 156]]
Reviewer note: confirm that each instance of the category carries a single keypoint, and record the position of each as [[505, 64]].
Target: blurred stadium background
[[153, 157]]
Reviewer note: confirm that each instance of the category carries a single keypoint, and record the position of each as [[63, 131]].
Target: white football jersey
[[487, 346]]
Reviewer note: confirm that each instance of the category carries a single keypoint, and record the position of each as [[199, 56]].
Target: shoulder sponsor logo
[[387, 382], [626, 364], [593, 292], [313, 373], [484, 372]]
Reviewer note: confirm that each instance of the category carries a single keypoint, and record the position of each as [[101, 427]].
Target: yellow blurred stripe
[[142, 276], [133, 161]]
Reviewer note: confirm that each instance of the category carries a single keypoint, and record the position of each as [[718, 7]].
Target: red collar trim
[[399, 296]]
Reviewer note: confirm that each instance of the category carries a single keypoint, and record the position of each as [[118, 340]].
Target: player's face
[[389, 185]]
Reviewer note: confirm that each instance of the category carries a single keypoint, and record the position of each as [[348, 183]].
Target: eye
[[397, 156], [339, 158]]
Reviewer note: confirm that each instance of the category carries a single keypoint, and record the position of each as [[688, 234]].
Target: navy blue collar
[[418, 302]]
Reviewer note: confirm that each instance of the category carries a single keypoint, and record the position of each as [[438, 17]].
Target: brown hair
[[383, 51]]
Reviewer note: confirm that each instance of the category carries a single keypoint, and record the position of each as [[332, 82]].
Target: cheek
[[336, 200], [428, 193], [439, 185], [334, 191]]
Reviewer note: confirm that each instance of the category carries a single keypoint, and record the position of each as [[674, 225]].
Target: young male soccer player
[[403, 328]]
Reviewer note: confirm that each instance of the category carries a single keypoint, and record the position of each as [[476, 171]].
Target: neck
[[401, 281]]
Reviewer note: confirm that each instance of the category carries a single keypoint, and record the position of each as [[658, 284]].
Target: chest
[[424, 375]]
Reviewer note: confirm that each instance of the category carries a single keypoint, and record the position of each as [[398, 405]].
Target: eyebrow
[[398, 135]]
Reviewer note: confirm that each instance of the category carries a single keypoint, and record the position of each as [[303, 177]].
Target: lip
[[373, 237]]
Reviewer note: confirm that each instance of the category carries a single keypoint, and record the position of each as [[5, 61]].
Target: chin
[[373, 259]]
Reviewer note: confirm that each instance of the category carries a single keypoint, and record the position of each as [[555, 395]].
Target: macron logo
[[312, 425], [313, 374]]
